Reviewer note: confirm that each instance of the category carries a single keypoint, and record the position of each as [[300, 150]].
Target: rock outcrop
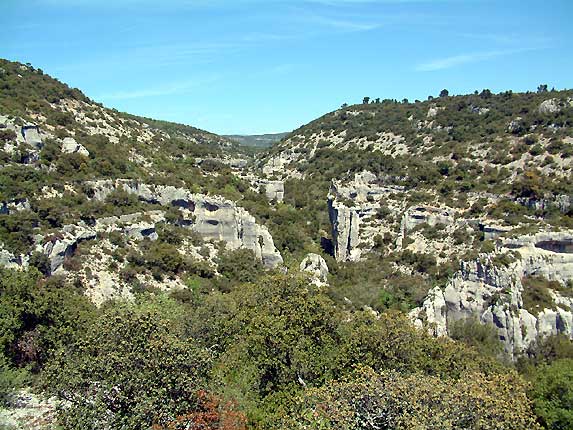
[[8, 259], [493, 292], [274, 190], [353, 210], [70, 146], [14, 206], [549, 106], [315, 265], [32, 135], [432, 216], [64, 244], [212, 217]]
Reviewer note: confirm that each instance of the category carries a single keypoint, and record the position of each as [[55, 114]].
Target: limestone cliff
[[212, 217], [494, 293]]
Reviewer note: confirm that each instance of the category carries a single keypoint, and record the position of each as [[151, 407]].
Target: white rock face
[[549, 106], [515, 125], [274, 190], [494, 294], [14, 206], [352, 210], [345, 230], [9, 260], [70, 146], [433, 111], [316, 266], [212, 217], [479, 110], [65, 243], [491, 230]]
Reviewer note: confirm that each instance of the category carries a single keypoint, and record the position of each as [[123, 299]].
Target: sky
[[263, 66]]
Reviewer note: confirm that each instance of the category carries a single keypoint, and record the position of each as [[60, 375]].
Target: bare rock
[[493, 293], [549, 106], [70, 146], [516, 125], [316, 266], [212, 217]]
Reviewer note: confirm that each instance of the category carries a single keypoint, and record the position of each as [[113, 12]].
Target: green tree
[[131, 369], [552, 394]]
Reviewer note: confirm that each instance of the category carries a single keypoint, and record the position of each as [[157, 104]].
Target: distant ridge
[[257, 140]]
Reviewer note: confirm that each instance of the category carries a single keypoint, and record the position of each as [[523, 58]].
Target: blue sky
[[257, 66]]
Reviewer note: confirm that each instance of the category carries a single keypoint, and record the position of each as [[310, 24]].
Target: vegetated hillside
[[257, 140], [151, 278], [449, 208], [511, 144], [76, 176]]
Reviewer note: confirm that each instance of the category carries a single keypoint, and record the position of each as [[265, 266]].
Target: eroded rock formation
[[493, 292], [212, 217]]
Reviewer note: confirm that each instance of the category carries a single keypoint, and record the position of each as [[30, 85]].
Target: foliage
[[236, 267], [472, 332], [37, 316], [130, 370], [536, 295], [552, 394], [11, 379], [390, 400]]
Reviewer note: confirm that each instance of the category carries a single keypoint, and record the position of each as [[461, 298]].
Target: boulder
[[8, 259], [316, 266], [32, 136], [516, 125], [70, 146], [549, 106], [274, 190]]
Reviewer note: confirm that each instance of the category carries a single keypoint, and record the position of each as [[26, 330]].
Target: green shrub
[[391, 400], [536, 296], [131, 369], [552, 394]]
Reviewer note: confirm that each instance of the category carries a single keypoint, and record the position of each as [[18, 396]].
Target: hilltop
[[80, 181]]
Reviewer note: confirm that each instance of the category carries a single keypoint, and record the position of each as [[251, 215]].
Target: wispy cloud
[[345, 24], [158, 91], [474, 57]]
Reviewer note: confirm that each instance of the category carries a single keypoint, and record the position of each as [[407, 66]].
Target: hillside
[[456, 207], [77, 179], [389, 265]]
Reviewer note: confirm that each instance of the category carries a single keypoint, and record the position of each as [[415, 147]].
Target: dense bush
[[391, 400], [552, 394], [130, 370], [38, 316]]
